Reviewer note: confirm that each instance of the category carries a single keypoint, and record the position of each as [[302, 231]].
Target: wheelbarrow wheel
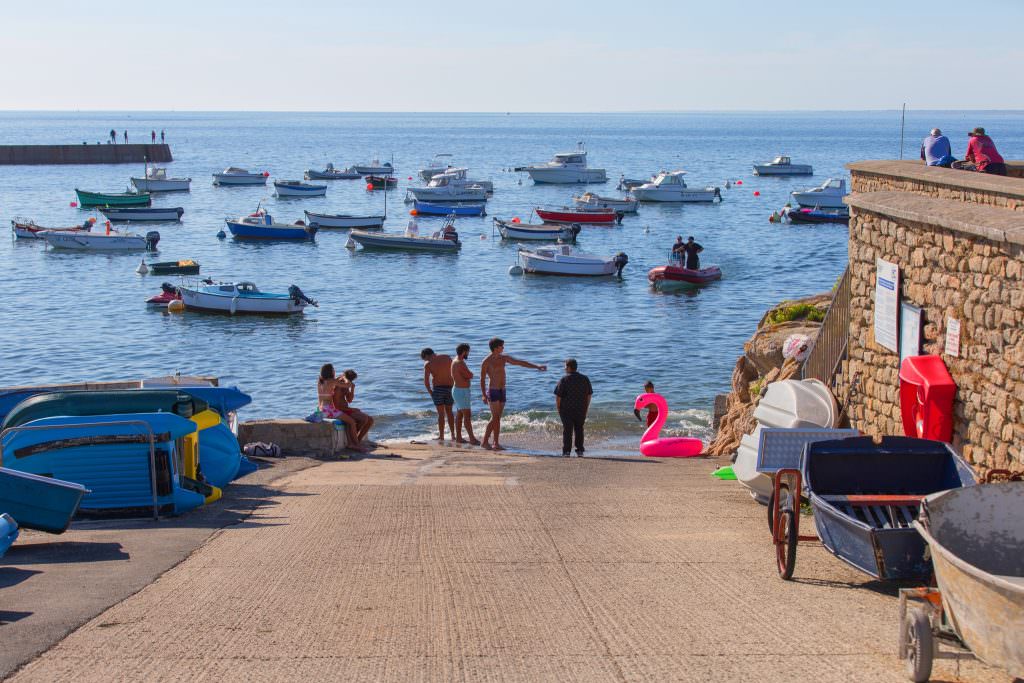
[[919, 648], [785, 549], [784, 490]]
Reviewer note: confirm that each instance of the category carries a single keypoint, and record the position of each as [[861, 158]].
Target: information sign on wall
[[953, 337], [887, 306], [910, 331]]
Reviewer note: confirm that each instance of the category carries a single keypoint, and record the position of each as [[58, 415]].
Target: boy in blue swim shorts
[[463, 408]]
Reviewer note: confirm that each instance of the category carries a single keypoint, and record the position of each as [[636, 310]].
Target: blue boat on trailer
[[455, 209]]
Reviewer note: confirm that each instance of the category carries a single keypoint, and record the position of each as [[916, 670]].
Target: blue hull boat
[[261, 226], [83, 403], [865, 498], [40, 503], [8, 532], [111, 456], [458, 209]]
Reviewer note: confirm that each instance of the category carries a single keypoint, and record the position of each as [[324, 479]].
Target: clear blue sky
[[514, 55]]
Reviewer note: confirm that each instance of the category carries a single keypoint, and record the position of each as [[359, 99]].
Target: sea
[[69, 317]]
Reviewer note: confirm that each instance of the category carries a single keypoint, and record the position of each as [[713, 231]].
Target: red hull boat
[[168, 293], [663, 275], [571, 215]]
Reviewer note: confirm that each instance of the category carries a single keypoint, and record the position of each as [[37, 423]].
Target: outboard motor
[[718, 193], [619, 215], [620, 262], [451, 236], [168, 288], [575, 228], [152, 239], [298, 297]]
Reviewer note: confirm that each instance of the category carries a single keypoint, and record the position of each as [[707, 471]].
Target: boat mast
[[903, 123]]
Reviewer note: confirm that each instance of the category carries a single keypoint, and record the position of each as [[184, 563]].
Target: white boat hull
[[94, 241], [239, 304], [566, 176], [643, 194], [315, 191], [510, 232], [340, 221], [622, 205], [565, 265], [404, 242], [157, 185], [250, 179], [791, 169], [812, 199], [449, 194]]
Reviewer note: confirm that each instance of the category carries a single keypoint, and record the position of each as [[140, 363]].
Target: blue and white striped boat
[[455, 209], [297, 188]]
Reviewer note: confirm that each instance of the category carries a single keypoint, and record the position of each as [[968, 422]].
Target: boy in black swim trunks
[[492, 371], [437, 368]]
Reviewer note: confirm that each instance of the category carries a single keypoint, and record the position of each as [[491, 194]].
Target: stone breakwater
[[31, 155]]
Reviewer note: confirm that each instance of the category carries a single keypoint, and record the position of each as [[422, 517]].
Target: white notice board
[[887, 305], [953, 337]]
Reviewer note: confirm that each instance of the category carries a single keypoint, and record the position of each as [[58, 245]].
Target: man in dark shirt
[[572, 400], [691, 249]]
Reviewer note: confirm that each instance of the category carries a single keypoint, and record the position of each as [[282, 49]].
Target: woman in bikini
[[344, 394], [325, 391]]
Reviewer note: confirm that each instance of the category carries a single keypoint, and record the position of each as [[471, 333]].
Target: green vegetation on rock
[[799, 311]]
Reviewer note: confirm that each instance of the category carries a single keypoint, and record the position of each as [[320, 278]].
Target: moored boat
[[331, 173], [344, 220], [109, 240], [669, 186], [782, 165], [583, 216], [564, 259], [589, 200], [180, 267], [828, 195], [514, 230], [25, 228], [675, 275], [380, 182], [232, 175], [124, 215], [157, 180], [439, 164], [566, 168], [804, 214], [91, 199], [452, 186], [261, 226], [445, 240], [453, 209], [374, 167], [243, 297], [297, 188], [168, 293]]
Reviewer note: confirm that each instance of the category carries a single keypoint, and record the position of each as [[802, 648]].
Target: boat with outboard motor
[[232, 175], [817, 214], [157, 180], [381, 182], [261, 226], [782, 165], [242, 297], [448, 209], [93, 199], [564, 259], [168, 293], [828, 195], [26, 228], [675, 275], [589, 200], [515, 230], [180, 267], [579, 215], [297, 188], [565, 168], [375, 167], [669, 186], [452, 186], [445, 240], [143, 214], [109, 240], [344, 220], [331, 173]]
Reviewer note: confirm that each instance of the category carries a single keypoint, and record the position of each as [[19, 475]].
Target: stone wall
[[961, 255], [11, 155], [296, 437], [941, 183]]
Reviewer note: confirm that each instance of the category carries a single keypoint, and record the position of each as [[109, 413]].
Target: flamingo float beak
[[636, 411]]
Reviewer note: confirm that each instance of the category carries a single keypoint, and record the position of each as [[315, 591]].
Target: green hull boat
[[114, 199]]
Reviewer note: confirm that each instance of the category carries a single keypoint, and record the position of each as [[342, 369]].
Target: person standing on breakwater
[[152, 136], [981, 151], [572, 400], [463, 408], [936, 151], [161, 136], [113, 136], [437, 367], [492, 372], [126, 137]]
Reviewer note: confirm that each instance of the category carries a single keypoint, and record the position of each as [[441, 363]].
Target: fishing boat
[[445, 240], [782, 165], [232, 175], [91, 199], [564, 259], [565, 168], [453, 209], [589, 200], [130, 462], [628, 184], [297, 188], [828, 195], [25, 228], [243, 297], [110, 240], [817, 215], [380, 182], [513, 230], [344, 220], [8, 532], [144, 215], [976, 540], [582, 216], [331, 173], [866, 497], [157, 180], [180, 267], [374, 168], [261, 226], [37, 502], [168, 293], [663, 277], [669, 186], [439, 164], [450, 186]]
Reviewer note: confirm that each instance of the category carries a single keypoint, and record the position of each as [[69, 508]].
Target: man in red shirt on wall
[[982, 151]]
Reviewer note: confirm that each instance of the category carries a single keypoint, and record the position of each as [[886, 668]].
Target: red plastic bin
[[926, 398]]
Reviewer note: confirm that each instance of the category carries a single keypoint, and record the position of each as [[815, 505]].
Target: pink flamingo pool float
[[652, 445]]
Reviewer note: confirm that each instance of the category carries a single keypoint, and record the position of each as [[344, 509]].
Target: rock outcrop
[[761, 364]]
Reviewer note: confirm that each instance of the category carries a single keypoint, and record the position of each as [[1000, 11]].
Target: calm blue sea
[[71, 317]]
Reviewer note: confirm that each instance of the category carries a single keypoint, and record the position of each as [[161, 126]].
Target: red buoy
[[413, 212], [74, 204], [516, 220], [739, 182], [369, 186], [266, 174], [757, 193]]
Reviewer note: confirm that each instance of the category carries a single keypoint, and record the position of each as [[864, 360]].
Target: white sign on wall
[[887, 305], [953, 337]]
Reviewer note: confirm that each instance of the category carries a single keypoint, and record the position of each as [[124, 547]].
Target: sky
[[514, 55]]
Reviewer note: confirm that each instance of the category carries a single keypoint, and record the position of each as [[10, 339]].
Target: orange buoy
[[413, 212], [516, 220]]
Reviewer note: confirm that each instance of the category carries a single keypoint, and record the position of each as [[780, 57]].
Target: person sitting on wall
[[982, 155], [936, 151]]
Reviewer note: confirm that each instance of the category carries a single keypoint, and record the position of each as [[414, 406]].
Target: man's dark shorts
[[442, 395]]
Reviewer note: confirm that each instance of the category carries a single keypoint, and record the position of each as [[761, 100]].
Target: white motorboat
[[594, 201], [445, 240], [297, 188], [451, 186], [232, 175], [331, 173], [157, 180], [242, 297], [344, 220], [566, 168], [782, 165], [436, 166], [828, 195], [375, 167], [515, 231], [563, 259], [109, 240], [789, 404], [669, 186], [26, 228]]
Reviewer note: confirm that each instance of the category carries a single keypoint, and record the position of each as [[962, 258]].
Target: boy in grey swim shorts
[[463, 409]]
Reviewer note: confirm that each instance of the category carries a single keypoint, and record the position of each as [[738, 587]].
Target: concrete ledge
[[998, 225], [1010, 186], [32, 155], [295, 437]]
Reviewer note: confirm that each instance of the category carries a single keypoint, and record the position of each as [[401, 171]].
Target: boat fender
[[350, 244], [515, 270], [143, 268], [221, 234], [298, 297], [152, 239], [176, 306], [234, 305]]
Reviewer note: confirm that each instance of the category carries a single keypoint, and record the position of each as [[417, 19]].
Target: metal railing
[[133, 423], [830, 347]]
